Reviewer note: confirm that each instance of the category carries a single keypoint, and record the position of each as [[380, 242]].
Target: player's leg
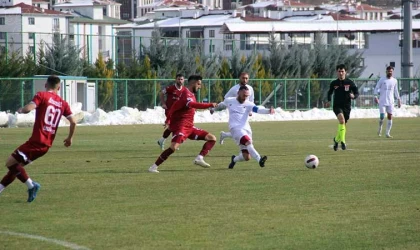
[[341, 126], [177, 139], [389, 111], [223, 136], [381, 118], [202, 135], [247, 141], [346, 115], [165, 135], [22, 156]]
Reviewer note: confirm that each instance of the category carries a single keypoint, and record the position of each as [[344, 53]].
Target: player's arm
[[354, 91], [258, 110], [377, 90], [329, 94], [199, 105], [69, 140], [162, 98], [397, 95], [27, 108]]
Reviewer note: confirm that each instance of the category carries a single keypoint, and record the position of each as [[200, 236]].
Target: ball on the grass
[[311, 161]]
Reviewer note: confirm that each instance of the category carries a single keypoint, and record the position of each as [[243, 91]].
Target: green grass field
[[98, 193]]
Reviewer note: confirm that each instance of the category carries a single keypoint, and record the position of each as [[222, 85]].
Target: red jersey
[[49, 109], [181, 114], [172, 94]]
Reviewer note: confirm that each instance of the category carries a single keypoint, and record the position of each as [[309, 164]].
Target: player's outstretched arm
[[270, 111], [27, 108], [68, 141]]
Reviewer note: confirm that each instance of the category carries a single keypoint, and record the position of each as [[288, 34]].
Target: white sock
[[29, 183], [228, 134], [2, 188], [380, 124], [388, 127], [254, 154], [199, 158], [238, 158]]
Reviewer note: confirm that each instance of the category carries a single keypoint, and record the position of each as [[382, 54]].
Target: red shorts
[[29, 152], [180, 135]]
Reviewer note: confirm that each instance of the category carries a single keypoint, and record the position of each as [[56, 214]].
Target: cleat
[[335, 147], [154, 169], [202, 163], [343, 146], [222, 137], [388, 136], [262, 161], [232, 163], [33, 191], [161, 143]]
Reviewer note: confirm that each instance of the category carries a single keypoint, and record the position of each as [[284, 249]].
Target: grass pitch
[[98, 193]]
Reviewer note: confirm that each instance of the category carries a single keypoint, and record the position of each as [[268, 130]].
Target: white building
[[217, 32], [92, 26], [24, 27]]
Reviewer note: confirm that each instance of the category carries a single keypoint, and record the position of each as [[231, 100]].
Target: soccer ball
[[311, 161]]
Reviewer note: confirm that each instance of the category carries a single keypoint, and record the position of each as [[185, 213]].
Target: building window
[[416, 43], [32, 49], [187, 34], [229, 36], [211, 33], [31, 20], [2, 35], [31, 35], [2, 21], [212, 48], [56, 24]]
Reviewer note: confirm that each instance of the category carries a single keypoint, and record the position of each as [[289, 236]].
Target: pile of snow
[[128, 116]]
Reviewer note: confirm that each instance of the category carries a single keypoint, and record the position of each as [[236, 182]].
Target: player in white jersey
[[239, 109], [387, 87], [233, 92]]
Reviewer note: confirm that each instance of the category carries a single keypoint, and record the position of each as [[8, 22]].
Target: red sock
[[22, 175], [207, 147], [165, 154], [10, 176], [166, 133]]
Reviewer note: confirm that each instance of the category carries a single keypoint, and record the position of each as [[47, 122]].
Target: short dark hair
[[389, 67], [179, 75], [243, 87], [340, 66], [194, 78], [53, 80]]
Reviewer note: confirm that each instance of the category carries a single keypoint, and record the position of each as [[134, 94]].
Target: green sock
[[338, 135], [342, 132]]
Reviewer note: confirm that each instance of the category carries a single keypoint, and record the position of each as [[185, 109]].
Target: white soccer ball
[[311, 161]]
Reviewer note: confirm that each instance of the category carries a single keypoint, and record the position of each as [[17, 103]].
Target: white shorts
[[237, 134], [388, 109]]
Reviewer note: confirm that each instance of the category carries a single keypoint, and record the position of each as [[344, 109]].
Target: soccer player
[[180, 120], [233, 92], [344, 91], [49, 109], [172, 93], [387, 88], [239, 108]]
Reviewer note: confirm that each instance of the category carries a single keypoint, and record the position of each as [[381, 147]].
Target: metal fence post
[[126, 93], [22, 86], [275, 95], [309, 94], [115, 95], [154, 92], [285, 94]]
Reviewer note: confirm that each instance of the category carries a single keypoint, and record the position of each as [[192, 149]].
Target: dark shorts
[[179, 136], [343, 110], [29, 152]]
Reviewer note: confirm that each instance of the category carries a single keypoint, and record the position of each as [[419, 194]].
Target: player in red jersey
[[172, 93], [49, 109], [180, 120]]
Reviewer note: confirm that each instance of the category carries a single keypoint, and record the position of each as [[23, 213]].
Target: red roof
[[367, 7], [29, 9]]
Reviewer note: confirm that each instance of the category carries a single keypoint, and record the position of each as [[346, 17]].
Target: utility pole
[[407, 51]]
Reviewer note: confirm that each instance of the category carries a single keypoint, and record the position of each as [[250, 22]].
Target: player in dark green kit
[[344, 91]]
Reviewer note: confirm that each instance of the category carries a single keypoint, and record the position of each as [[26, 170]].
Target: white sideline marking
[[41, 238]]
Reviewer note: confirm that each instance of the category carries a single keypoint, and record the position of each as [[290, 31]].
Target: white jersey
[[238, 113], [233, 92], [388, 90]]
